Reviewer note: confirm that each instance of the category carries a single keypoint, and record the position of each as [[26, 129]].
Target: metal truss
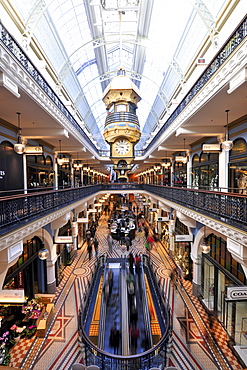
[[207, 19]]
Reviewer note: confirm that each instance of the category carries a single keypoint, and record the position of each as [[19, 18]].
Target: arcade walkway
[[194, 347]]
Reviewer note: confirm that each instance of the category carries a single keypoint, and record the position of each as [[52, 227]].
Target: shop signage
[[12, 296], [209, 148], [63, 239], [183, 238], [163, 219], [33, 150], [146, 204], [153, 209], [237, 293], [83, 220]]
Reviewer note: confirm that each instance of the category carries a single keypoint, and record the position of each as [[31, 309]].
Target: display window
[[205, 171], [39, 171], [180, 174], [238, 167], [182, 251]]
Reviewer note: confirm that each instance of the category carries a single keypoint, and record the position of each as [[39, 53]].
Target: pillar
[[55, 169], [51, 277], [223, 170], [196, 283], [25, 172]]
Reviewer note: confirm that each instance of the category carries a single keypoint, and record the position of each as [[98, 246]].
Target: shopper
[[115, 338]]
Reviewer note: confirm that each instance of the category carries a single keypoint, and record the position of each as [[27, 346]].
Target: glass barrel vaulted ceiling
[[87, 41]]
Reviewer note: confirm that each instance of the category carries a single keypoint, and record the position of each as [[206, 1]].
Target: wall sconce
[[19, 148], [205, 246], [43, 252], [227, 144]]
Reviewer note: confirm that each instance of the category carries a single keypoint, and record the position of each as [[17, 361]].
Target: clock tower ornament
[[122, 129]]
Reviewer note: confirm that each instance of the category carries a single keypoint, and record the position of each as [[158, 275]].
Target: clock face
[[122, 146]]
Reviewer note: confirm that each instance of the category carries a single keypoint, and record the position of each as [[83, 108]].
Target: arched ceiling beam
[[207, 19], [34, 16]]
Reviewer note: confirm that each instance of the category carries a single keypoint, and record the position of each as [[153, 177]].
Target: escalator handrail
[[102, 315], [124, 312], [146, 314]]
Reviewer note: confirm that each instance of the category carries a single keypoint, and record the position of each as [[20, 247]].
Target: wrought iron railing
[[121, 117], [20, 209], [12, 45], [231, 44], [226, 207], [17, 210]]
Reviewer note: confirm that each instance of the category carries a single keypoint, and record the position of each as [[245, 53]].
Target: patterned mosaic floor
[[61, 348]]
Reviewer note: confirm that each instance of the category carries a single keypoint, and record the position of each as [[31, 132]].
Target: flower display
[[30, 331], [32, 309], [17, 330]]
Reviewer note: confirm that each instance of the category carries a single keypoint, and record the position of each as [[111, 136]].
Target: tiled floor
[[193, 346]]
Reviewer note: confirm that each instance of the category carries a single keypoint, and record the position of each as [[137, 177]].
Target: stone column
[[51, 277]]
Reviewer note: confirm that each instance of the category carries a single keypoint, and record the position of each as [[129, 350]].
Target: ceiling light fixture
[[227, 144], [19, 148], [182, 158]]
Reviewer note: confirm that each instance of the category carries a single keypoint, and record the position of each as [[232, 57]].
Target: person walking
[[96, 246], [134, 335], [90, 247], [131, 263], [115, 338], [110, 242], [127, 242]]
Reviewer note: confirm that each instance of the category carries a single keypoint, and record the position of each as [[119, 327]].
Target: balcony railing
[[226, 207], [116, 117]]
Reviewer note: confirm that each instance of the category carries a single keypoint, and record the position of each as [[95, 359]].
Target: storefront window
[[205, 171], [238, 167], [182, 251], [208, 285], [180, 174]]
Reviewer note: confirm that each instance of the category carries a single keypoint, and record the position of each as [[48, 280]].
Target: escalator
[[138, 316], [112, 303], [110, 310]]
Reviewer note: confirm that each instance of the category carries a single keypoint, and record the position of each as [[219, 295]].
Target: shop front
[[182, 249], [205, 171], [220, 272], [180, 174], [39, 171], [29, 272], [11, 170], [238, 167]]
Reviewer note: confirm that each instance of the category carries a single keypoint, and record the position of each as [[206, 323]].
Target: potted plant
[[17, 332], [30, 331]]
